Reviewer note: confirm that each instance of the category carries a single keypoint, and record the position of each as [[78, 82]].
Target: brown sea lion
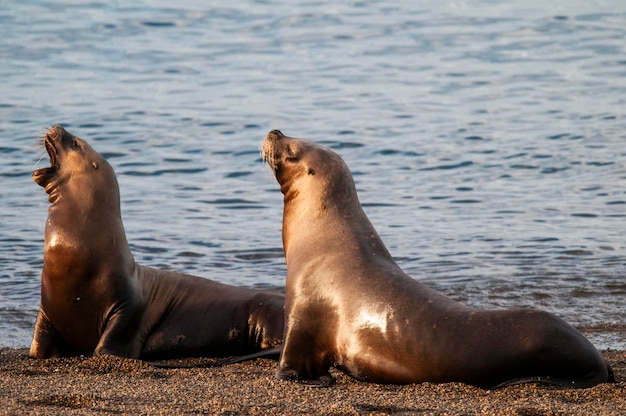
[[350, 306], [96, 300]]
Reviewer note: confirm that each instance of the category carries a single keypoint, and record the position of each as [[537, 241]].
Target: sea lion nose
[[55, 132], [274, 135]]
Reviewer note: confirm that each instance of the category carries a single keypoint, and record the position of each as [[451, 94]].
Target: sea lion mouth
[[44, 176], [51, 148]]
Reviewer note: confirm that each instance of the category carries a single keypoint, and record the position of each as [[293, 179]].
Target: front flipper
[[46, 341], [121, 336], [305, 359]]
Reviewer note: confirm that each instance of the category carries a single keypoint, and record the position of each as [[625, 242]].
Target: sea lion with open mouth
[[96, 300]]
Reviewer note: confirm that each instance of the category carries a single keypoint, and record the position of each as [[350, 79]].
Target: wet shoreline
[[106, 385]]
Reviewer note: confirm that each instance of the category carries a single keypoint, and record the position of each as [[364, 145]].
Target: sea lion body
[[96, 300], [350, 306]]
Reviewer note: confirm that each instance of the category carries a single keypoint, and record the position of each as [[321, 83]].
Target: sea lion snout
[[269, 149], [274, 135], [55, 132], [60, 138], [53, 141]]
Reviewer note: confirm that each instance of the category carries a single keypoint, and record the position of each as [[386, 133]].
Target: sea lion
[[96, 300], [350, 306]]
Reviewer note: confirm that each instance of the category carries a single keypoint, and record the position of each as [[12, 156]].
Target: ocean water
[[487, 139]]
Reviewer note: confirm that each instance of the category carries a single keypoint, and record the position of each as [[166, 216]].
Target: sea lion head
[[302, 167], [72, 161]]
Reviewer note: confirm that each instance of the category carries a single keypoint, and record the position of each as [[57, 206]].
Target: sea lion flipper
[[46, 341], [117, 338], [271, 353]]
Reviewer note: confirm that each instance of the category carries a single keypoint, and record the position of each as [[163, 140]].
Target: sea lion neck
[[87, 223], [84, 217], [325, 221]]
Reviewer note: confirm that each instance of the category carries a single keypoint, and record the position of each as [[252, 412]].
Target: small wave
[[142, 249], [158, 24], [344, 145], [466, 201], [8, 150], [16, 174], [238, 174], [543, 239], [559, 136], [551, 170], [190, 254], [113, 155], [577, 253], [600, 164], [388, 152], [459, 165], [377, 204], [232, 202], [164, 172], [257, 254], [213, 124], [90, 125]]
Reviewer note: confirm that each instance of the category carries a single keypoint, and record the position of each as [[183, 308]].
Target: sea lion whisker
[[268, 158], [43, 154], [41, 137], [40, 145]]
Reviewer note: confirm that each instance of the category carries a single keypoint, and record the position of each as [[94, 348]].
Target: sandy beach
[[112, 385]]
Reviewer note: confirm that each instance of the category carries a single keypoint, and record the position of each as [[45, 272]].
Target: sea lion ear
[[311, 171], [95, 165]]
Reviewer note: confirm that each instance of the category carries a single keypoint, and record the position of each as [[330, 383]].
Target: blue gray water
[[487, 140]]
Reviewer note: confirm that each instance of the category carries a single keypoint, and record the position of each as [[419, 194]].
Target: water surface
[[487, 140]]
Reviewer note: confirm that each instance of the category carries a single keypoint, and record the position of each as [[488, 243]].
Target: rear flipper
[[271, 353], [611, 374], [593, 380]]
